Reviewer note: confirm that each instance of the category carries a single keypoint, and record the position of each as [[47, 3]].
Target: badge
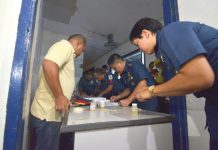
[[110, 77], [130, 77], [161, 57]]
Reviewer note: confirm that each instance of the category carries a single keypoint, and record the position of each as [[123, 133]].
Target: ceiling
[[98, 18]]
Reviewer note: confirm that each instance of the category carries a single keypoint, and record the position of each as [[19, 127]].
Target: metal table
[[118, 128]]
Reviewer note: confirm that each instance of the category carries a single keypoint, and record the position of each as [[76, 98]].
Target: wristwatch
[[151, 90]]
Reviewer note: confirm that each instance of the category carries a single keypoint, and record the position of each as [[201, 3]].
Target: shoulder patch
[[110, 77]]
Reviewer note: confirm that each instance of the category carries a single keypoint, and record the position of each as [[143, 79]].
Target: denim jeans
[[46, 134], [213, 144]]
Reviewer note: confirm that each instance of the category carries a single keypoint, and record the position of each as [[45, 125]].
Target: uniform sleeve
[[140, 71], [80, 85], [110, 79], [59, 53], [181, 44]]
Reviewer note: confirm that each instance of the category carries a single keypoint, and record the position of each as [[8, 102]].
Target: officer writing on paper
[[190, 50], [134, 76], [109, 83], [55, 88]]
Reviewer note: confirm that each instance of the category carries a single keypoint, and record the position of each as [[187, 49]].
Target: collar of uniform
[[126, 67], [158, 40]]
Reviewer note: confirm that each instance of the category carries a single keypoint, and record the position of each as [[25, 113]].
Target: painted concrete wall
[[205, 12], [8, 29]]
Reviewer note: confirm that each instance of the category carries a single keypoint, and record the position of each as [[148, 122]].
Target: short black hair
[[104, 67], [150, 24], [87, 72], [99, 71], [113, 58], [79, 37]]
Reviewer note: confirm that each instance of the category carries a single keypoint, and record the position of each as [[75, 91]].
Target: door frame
[[14, 127], [177, 104]]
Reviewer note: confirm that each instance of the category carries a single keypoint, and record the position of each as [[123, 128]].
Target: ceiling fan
[[110, 41]]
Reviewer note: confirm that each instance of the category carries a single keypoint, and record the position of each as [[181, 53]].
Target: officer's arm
[[124, 93], [140, 85], [107, 90], [82, 93], [81, 90], [194, 76]]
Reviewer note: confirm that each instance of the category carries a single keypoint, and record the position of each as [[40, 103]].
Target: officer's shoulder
[[136, 63], [132, 63], [178, 25]]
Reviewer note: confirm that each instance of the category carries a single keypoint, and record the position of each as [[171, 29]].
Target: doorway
[[106, 25]]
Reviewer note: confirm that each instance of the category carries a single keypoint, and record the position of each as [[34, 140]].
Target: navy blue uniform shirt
[[179, 42], [108, 80], [87, 86], [118, 86], [111, 79], [135, 72]]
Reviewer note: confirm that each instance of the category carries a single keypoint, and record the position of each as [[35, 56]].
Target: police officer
[[134, 75], [190, 51], [87, 84], [118, 85], [105, 68], [109, 83]]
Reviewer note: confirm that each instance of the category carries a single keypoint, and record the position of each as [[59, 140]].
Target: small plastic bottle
[[134, 107], [102, 104], [92, 106]]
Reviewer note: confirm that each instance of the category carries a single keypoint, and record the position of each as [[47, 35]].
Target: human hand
[[114, 98], [62, 103], [84, 95], [100, 95], [124, 102], [143, 94]]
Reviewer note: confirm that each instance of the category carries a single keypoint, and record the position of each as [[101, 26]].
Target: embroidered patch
[[110, 77]]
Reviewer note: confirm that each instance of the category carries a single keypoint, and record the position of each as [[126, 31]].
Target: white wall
[[205, 12], [199, 10], [9, 14]]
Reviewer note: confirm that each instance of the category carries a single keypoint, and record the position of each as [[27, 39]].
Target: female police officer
[[190, 50]]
